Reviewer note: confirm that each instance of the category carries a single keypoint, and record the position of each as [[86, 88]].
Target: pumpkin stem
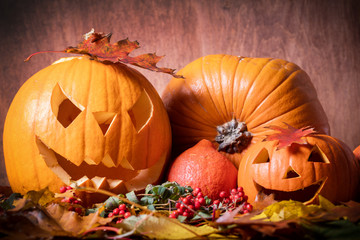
[[233, 136]]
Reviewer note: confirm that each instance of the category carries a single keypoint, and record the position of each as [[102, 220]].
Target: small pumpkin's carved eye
[[104, 120], [63, 107], [262, 157], [317, 155]]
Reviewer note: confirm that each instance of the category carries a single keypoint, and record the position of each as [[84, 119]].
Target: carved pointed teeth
[[100, 183], [90, 161], [108, 161], [126, 164]]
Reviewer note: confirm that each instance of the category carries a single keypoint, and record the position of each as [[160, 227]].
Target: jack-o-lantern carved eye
[[262, 157], [64, 108], [142, 111], [318, 156]]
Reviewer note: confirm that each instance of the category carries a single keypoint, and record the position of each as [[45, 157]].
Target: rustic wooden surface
[[322, 37]]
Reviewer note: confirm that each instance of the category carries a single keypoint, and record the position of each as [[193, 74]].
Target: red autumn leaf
[[98, 46], [288, 136]]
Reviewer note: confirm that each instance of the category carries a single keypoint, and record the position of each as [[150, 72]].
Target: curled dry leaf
[[68, 221], [98, 46]]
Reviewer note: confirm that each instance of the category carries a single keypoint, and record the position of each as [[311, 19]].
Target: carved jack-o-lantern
[[83, 122], [324, 166]]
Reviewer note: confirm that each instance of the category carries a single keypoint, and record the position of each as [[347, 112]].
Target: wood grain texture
[[322, 37]]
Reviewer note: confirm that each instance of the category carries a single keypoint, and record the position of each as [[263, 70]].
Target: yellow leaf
[[41, 197], [165, 228], [325, 204], [284, 210], [261, 216]]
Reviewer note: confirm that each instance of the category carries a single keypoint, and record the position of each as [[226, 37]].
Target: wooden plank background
[[322, 37]]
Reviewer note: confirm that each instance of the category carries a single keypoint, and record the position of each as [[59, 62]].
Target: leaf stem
[[28, 58]]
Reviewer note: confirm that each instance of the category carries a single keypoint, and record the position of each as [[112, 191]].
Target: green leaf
[[151, 207], [8, 203], [132, 197], [112, 203], [202, 215], [147, 200], [342, 229]]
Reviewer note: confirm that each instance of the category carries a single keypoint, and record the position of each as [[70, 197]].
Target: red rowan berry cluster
[[235, 198], [73, 201], [121, 212], [187, 206]]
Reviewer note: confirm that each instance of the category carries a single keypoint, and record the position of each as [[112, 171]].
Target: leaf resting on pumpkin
[[98, 46], [288, 136]]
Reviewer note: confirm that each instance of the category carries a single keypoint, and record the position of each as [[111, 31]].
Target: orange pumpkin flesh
[[324, 166], [256, 91], [86, 123]]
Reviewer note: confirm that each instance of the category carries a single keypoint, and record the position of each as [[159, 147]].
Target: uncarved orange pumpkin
[[86, 123], [204, 167], [324, 166], [228, 100], [357, 152]]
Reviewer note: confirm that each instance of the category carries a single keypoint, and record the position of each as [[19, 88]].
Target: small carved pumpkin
[[324, 165], [87, 123]]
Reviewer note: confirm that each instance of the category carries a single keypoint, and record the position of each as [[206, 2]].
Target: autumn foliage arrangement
[[235, 146]]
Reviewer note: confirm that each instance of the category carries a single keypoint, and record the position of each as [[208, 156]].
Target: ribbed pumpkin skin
[[340, 169], [257, 91], [357, 152], [96, 88]]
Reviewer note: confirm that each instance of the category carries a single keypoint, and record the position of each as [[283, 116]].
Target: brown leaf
[[98, 46], [70, 221], [288, 136], [15, 225], [258, 229], [350, 211], [263, 200]]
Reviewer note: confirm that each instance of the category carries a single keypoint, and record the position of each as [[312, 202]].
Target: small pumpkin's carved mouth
[[306, 194], [85, 174]]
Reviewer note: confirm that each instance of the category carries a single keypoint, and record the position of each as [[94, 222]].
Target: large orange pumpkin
[[228, 100], [86, 123], [324, 166]]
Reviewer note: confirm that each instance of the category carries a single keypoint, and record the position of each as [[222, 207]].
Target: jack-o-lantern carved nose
[[104, 119], [290, 173]]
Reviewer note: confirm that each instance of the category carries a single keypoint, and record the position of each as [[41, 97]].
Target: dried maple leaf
[[98, 46], [288, 136]]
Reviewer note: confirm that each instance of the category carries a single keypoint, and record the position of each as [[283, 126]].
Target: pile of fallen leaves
[[42, 214]]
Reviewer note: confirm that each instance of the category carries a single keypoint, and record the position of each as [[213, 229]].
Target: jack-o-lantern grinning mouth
[[303, 195], [69, 172]]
